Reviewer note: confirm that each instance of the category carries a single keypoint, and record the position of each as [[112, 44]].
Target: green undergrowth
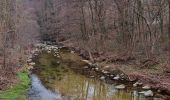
[[18, 91]]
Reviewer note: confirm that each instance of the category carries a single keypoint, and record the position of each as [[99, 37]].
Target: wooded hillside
[[101, 30], [123, 28], [18, 30]]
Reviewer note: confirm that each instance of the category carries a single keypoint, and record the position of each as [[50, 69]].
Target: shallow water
[[59, 82]]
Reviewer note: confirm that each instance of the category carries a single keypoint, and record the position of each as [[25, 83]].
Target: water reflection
[[39, 92], [65, 84], [74, 86]]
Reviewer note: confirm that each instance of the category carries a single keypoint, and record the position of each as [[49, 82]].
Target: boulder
[[164, 90]]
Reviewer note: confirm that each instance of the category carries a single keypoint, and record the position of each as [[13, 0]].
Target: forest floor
[[156, 76], [154, 72]]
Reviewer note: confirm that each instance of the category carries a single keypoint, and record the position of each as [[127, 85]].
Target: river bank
[[124, 76], [99, 70], [155, 75], [65, 74], [19, 90]]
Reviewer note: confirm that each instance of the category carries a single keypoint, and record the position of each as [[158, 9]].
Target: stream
[[61, 78]]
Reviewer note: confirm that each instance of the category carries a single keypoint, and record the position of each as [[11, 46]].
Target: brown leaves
[[149, 63], [7, 78]]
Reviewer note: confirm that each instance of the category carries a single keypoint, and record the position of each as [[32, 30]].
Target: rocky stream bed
[[59, 73]]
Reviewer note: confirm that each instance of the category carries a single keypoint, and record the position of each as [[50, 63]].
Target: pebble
[[49, 51], [72, 52], [146, 87], [97, 69], [111, 75], [88, 62], [137, 84], [86, 67], [58, 62], [30, 67], [29, 60], [30, 57], [36, 54], [122, 74], [102, 78], [148, 93], [105, 72], [32, 64], [106, 67], [117, 77], [92, 76], [122, 86]]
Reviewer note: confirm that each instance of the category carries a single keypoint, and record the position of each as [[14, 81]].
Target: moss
[[18, 91]]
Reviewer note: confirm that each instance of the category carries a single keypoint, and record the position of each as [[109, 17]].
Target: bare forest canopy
[[128, 27]]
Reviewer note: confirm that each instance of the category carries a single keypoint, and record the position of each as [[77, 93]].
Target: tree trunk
[[169, 30]]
